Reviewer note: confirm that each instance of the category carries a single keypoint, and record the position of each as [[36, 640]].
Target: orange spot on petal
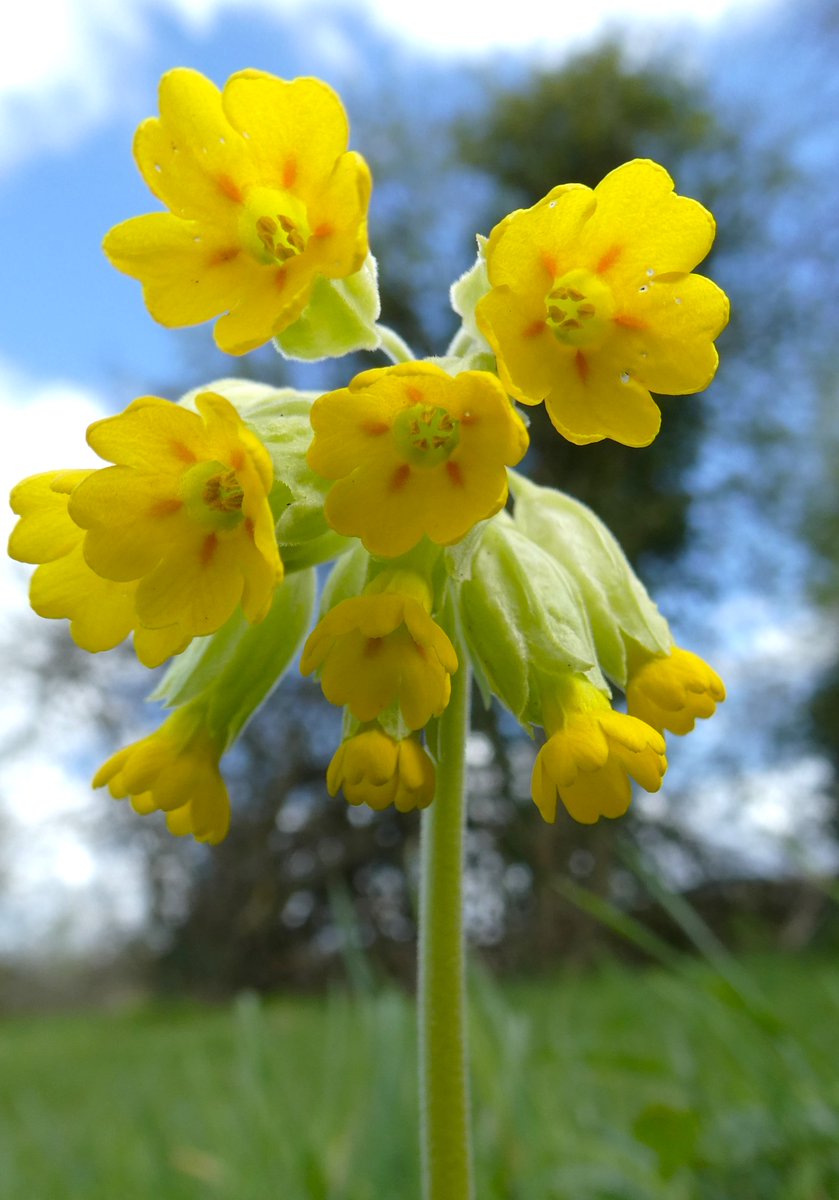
[[373, 646], [249, 527], [400, 477], [223, 256], [454, 473], [549, 263], [374, 428], [581, 363], [608, 259], [289, 172], [415, 394], [229, 188], [237, 460], [208, 549], [279, 279], [627, 322], [324, 229], [182, 452], [534, 329], [165, 508]]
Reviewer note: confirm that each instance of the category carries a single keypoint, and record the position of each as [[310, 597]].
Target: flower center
[[212, 495], [579, 308], [426, 435], [273, 225]]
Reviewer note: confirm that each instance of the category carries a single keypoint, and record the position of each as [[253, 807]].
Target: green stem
[[444, 1092], [395, 347]]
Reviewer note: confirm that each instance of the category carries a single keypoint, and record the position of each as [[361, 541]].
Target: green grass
[[622, 1085]]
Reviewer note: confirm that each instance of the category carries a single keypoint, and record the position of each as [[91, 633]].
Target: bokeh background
[[730, 517]]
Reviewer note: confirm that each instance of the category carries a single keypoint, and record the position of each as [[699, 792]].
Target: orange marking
[[581, 363], [324, 229], [400, 477], [468, 418], [223, 256], [415, 394], [289, 172], [182, 452], [609, 259], [373, 647], [454, 473], [165, 508], [229, 188], [534, 329], [627, 322], [208, 549], [279, 279], [549, 263], [374, 428], [249, 527], [237, 460]]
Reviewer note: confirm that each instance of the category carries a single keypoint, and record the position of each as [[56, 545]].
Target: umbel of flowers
[[201, 531], [587, 301]]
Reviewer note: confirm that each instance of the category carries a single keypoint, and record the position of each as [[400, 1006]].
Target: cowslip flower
[[264, 200], [593, 305], [671, 691], [175, 770], [590, 754], [383, 647], [101, 611], [184, 513], [375, 769], [415, 452]]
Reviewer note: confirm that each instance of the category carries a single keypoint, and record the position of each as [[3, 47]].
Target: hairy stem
[[444, 1092]]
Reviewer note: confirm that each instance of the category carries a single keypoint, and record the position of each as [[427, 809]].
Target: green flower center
[[273, 225], [579, 308], [426, 435], [212, 495]]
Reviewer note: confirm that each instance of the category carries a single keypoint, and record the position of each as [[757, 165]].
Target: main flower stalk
[[445, 1137]]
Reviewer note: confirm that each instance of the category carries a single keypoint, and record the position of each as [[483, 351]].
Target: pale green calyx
[[229, 674], [465, 293], [339, 318], [523, 619], [623, 616]]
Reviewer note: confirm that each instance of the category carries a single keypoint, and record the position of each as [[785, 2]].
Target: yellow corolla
[[593, 304], [415, 452], [183, 513], [375, 769], [175, 770], [264, 199], [590, 754], [101, 612], [671, 691], [382, 648]]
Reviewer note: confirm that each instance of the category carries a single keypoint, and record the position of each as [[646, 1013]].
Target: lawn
[[617, 1085]]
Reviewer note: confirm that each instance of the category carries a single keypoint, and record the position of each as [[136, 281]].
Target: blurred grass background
[[615, 1085]]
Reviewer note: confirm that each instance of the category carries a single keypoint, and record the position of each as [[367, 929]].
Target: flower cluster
[[201, 533]]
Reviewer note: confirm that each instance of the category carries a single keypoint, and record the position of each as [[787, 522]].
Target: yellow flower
[[264, 200], [175, 770], [184, 513], [383, 647], [593, 305], [101, 611], [590, 754], [671, 691], [376, 769], [415, 452]]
